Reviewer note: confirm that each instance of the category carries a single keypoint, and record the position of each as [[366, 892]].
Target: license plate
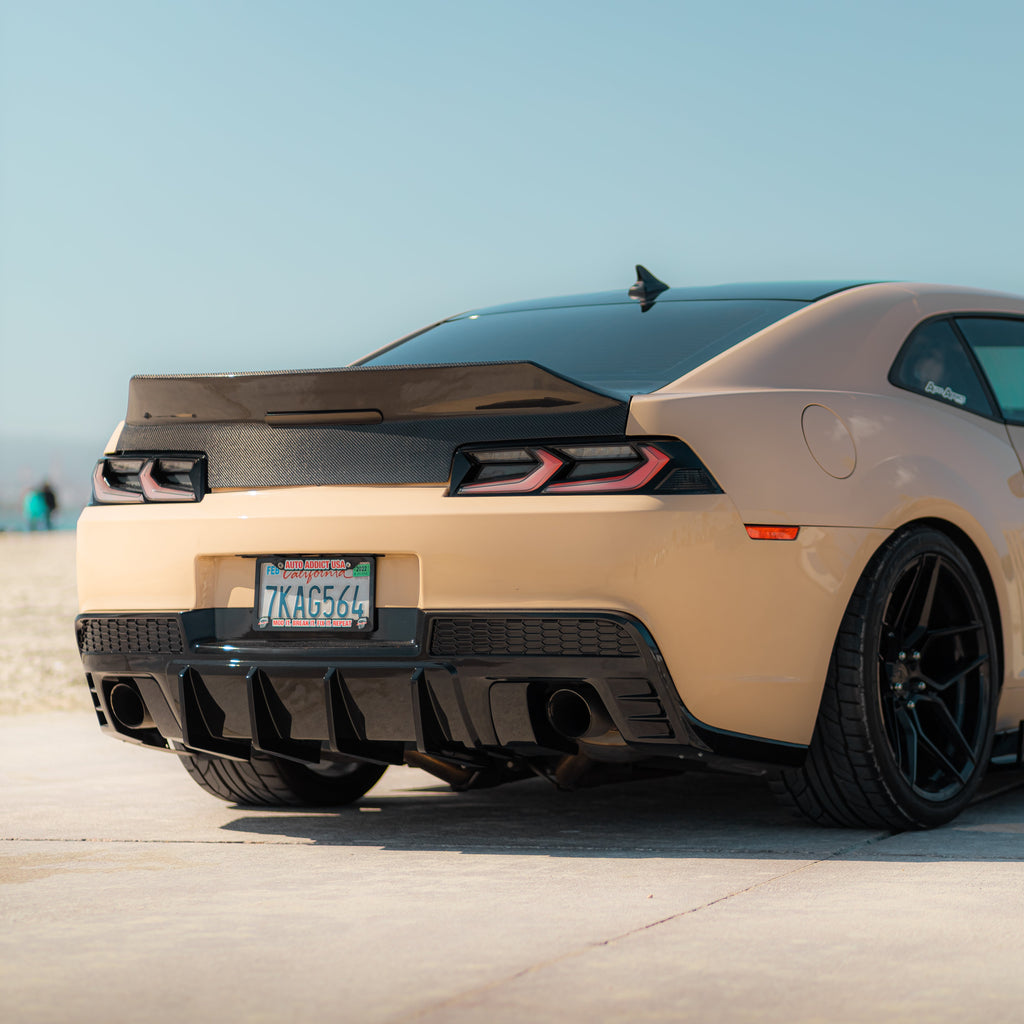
[[325, 592]]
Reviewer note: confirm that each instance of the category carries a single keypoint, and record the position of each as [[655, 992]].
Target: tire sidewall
[[895, 559]]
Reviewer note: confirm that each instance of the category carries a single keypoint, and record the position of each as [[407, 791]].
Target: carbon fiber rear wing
[[359, 395]]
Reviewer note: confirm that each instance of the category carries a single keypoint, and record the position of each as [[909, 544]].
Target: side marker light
[[772, 532]]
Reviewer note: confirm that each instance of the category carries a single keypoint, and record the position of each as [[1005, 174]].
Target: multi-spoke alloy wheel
[[906, 722], [934, 676]]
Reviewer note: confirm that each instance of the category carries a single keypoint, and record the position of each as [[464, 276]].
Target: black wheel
[[907, 718], [271, 781]]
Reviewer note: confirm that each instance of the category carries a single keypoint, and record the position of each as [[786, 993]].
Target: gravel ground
[[39, 665]]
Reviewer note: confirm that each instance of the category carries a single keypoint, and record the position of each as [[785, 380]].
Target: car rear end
[[472, 563]]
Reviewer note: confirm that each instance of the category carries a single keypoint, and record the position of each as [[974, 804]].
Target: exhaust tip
[[127, 707], [575, 716]]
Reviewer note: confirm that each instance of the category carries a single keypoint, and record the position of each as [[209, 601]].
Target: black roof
[[794, 291]]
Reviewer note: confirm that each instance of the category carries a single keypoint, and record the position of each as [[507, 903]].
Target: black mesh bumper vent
[[580, 638], [130, 635]]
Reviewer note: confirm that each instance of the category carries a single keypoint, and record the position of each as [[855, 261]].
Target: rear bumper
[[745, 628], [464, 686]]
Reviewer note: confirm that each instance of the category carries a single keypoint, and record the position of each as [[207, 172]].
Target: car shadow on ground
[[684, 816]]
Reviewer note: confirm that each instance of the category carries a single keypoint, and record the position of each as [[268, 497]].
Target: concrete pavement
[[126, 893]]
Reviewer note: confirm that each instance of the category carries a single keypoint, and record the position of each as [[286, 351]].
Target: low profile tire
[[266, 781], [907, 718]]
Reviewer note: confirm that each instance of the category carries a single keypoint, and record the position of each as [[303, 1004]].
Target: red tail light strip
[[107, 495], [155, 491], [118, 480], [534, 480], [596, 465], [654, 462]]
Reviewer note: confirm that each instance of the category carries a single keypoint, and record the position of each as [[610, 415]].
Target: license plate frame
[[349, 580]]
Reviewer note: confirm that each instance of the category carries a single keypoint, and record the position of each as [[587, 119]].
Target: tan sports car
[[770, 528]]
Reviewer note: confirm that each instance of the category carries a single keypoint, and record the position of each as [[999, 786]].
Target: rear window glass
[[999, 346], [614, 348], [934, 362]]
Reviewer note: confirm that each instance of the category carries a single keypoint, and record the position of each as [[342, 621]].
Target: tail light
[[640, 466], [132, 480]]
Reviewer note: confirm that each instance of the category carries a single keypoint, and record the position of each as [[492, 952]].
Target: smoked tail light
[[617, 466], [139, 479]]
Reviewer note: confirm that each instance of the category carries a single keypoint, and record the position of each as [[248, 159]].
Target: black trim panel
[[230, 691]]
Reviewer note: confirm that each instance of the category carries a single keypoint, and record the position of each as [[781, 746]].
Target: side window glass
[[998, 345], [933, 362]]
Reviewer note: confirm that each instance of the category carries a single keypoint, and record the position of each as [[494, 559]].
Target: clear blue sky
[[197, 185]]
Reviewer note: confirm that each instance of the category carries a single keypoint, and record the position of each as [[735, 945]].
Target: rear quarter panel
[[914, 459]]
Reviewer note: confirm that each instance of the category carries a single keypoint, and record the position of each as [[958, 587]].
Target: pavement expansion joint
[[156, 842], [614, 939]]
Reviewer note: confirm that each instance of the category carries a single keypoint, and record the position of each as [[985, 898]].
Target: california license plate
[[299, 592]]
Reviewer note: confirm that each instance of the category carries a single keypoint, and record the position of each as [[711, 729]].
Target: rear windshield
[[614, 348]]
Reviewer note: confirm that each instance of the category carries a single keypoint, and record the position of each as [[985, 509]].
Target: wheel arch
[[977, 561], [858, 771]]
